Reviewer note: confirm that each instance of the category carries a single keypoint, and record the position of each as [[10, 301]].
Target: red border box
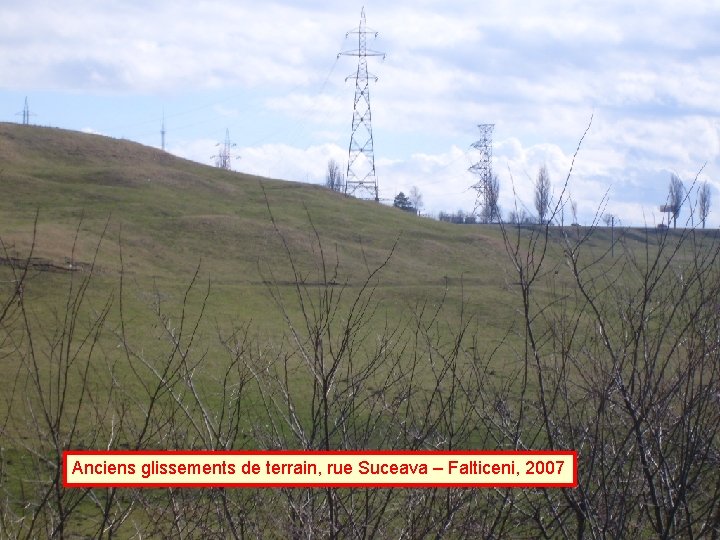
[[573, 453]]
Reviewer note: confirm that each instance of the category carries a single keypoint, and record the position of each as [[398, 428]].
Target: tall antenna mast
[[360, 178], [483, 167], [223, 158], [162, 132]]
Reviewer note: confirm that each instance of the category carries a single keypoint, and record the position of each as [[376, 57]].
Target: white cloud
[[319, 108], [648, 71], [279, 161]]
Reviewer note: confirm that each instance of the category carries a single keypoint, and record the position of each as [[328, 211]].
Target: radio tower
[[162, 132], [483, 167], [360, 178], [224, 157]]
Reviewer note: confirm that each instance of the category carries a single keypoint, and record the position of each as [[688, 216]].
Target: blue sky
[[647, 72]]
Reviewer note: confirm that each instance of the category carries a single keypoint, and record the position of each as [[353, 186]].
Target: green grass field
[[169, 304], [172, 215], [97, 198]]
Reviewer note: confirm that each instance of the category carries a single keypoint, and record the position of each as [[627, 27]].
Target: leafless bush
[[622, 363], [47, 396], [617, 357]]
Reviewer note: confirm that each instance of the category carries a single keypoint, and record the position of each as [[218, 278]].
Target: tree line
[[488, 210]]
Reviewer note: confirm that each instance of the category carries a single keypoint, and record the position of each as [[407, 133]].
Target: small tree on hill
[[574, 209], [416, 198], [704, 202], [403, 203], [334, 178], [542, 194], [519, 217], [676, 193]]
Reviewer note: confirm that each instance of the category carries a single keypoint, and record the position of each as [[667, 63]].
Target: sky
[[642, 78]]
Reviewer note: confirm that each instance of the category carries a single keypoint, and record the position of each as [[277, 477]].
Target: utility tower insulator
[[483, 166], [361, 179], [224, 158]]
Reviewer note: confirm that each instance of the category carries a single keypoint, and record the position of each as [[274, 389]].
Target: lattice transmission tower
[[360, 178], [224, 158], [482, 168], [26, 113]]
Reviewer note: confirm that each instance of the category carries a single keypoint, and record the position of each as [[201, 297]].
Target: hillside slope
[[227, 311], [170, 215]]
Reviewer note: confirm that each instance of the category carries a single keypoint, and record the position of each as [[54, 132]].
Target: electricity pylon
[[361, 179], [26, 114], [483, 166], [224, 158]]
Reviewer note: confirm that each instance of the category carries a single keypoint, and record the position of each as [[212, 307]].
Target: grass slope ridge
[[614, 355], [170, 215], [174, 212]]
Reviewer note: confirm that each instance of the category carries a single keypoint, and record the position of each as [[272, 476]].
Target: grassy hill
[[97, 198], [146, 221], [170, 215], [167, 304]]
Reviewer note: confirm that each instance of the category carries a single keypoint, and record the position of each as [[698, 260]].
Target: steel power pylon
[[361, 179], [26, 113], [483, 167], [223, 158]]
